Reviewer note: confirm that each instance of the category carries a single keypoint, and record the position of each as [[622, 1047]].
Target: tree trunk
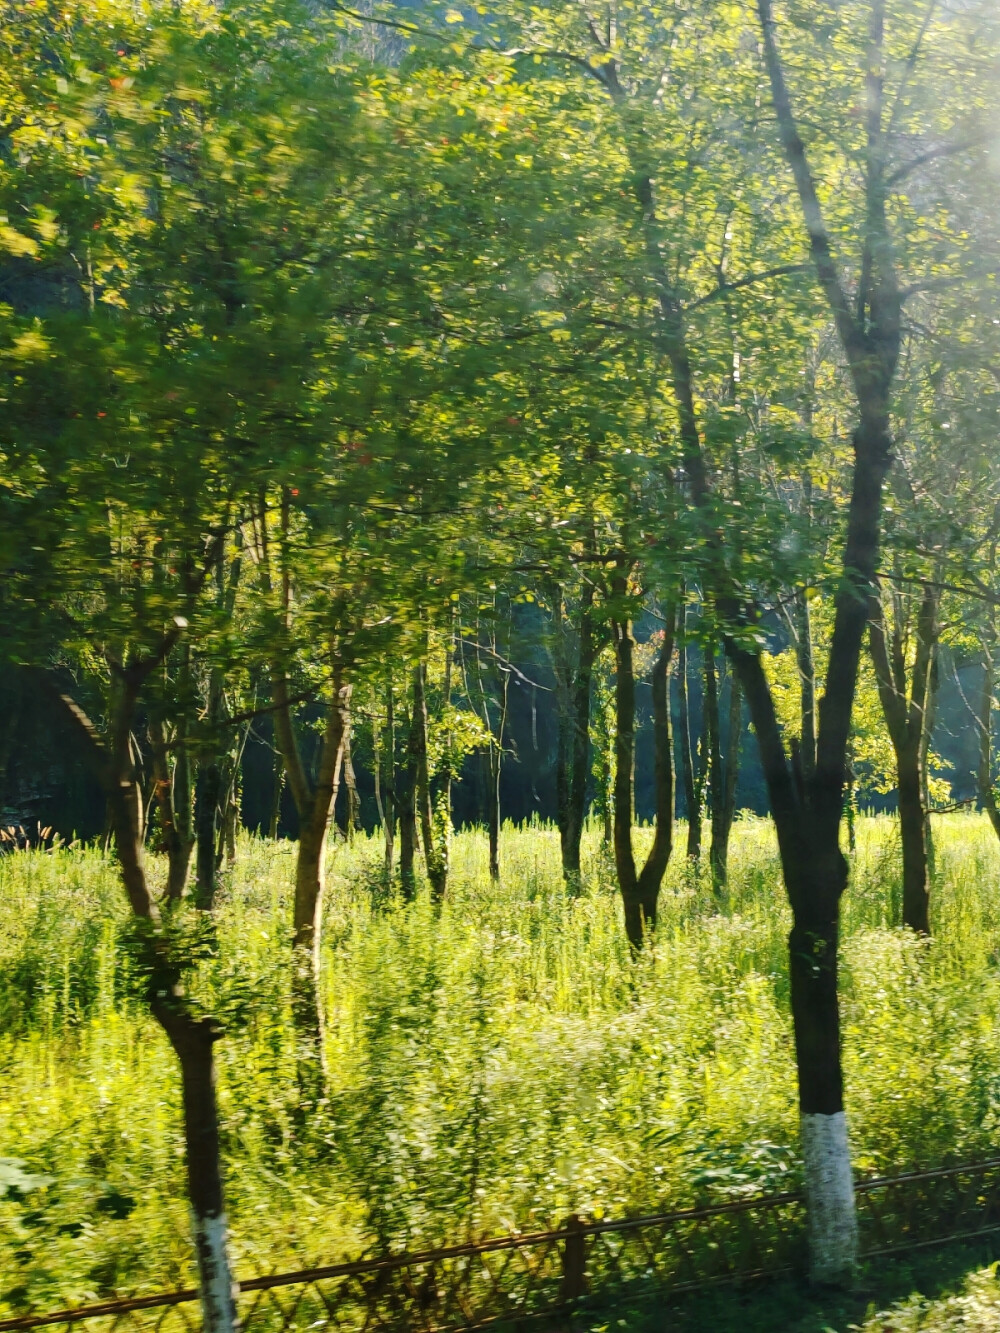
[[573, 690], [607, 792], [435, 861], [192, 1036], [406, 787], [722, 773], [807, 684], [907, 708], [494, 761], [984, 775], [315, 818], [193, 1040], [913, 821], [641, 890], [353, 799], [807, 815], [925, 752], [689, 785], [173, 794], [314, 803], [441, 783], [208, 792], [812, 950], [276, 790], [231, 819], [383, 762], [307, 1002]]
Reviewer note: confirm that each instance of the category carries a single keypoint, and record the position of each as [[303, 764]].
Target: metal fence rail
[[513, 1279]]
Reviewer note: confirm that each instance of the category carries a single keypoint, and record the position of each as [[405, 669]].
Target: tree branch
[[725, 288], [819, 240]]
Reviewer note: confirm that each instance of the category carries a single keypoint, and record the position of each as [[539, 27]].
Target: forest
[[499, 528]]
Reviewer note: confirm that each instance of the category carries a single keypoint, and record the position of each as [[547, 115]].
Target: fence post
[[574, 1261]]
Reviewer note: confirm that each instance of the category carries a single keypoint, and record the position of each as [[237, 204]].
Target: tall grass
[[498, 1062]]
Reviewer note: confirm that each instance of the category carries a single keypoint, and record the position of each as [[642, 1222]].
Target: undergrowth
[[495, 1063]]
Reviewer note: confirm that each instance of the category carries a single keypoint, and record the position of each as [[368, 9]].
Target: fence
[[516, 1279]]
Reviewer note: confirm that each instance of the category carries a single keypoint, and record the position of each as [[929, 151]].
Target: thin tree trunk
[[641, 889], [191, 1035], [389, 759], [208, 792], [496, 768], [211, 786], [573, 691], [607, 793], [734, 741], [314, 803], [351, 786], [441, 784], [437, 866], [723, 771], [925, 752], [984, 774], [689, 783], [276, 790], [493, 759], [173, 795], [493, 815], [315, 818], [231, 821], [907, 716], [406, 788]]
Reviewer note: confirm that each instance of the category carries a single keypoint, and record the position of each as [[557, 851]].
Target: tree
[[138, 420]]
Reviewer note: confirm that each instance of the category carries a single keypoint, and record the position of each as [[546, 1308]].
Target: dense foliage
[[363, 374]]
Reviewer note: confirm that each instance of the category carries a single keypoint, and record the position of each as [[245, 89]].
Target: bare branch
[[725, 288]]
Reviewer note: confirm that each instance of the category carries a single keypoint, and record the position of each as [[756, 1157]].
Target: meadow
[[497, 1062]]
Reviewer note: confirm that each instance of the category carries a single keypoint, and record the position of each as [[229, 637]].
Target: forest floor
[[495, 1064]]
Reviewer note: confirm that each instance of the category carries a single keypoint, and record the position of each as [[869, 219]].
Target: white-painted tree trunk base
[[218, 1288], [833, 1219]]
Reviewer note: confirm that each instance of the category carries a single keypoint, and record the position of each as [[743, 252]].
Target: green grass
[[951, 1290], [498, 1063]]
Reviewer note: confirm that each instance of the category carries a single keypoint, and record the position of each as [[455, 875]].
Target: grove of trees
[[361, 370]]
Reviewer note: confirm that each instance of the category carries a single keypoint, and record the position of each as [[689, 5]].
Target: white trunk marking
[[833, 1221], [218, 1290]]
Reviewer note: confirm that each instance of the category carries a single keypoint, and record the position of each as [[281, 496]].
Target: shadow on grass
[[790, 1304]]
